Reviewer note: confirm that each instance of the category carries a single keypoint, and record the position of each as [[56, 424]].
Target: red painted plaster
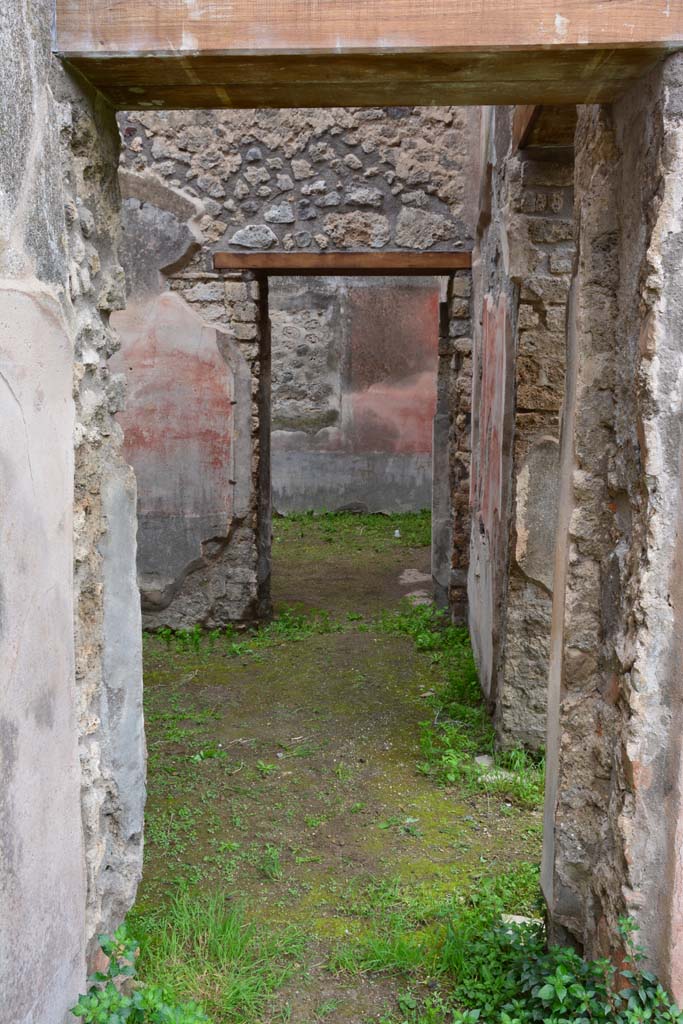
[[390, 398], [178, 418]]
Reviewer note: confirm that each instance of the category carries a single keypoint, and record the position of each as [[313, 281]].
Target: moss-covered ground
[[292, 793]]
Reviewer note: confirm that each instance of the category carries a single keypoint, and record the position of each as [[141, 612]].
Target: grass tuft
[[288, 627], [348, 530], [201, 947], [422, 936]]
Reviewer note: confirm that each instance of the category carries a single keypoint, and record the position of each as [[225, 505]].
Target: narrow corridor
[[292, 782]]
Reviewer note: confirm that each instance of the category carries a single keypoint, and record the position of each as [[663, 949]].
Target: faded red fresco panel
[[390, 398], [493, 414], [178, 417]]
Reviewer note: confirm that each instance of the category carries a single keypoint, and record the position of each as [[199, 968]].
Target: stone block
[[254, 236]]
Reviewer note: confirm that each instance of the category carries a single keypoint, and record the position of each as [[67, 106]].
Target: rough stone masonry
[[525, 250], [354, 389], [613, 839]]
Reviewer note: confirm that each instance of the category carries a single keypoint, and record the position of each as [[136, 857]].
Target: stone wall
[[354, 392], [451, 524], [108, 641], [525, 249], [71, 746], [315, 179], [541, 256], [197, 182], [613, 829]]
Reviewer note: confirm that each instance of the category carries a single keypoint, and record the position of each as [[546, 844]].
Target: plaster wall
[[71, 800], [613, 828], [354, 392]]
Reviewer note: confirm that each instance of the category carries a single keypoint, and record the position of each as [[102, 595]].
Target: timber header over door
[[288, 53]]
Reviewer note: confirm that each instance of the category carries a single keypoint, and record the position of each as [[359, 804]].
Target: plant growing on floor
[[107, 1003], [460, 728], [558, 986], [270, 864]]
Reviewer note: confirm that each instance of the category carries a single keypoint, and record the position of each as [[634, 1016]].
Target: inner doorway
[[353, 403]]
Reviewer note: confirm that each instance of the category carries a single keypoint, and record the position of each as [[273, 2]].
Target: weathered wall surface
[[196, 182], [541, 256], [525, 249], [108, 640], [187, 421], [451, 448], [71, 750], [614, 782], [354, 392], [195, 355], [315, 179]]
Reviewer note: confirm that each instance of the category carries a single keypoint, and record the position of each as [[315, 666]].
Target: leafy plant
[[107, 1003], [209, 752], [512, 979]]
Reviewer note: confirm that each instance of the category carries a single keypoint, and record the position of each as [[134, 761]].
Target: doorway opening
[[323, 786]]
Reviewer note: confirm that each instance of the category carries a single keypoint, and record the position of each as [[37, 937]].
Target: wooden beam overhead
[[544, 129], [523, 122], [285, 53], [384, 264]]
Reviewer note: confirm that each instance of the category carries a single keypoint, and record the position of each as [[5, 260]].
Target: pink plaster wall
[[178, 418], [179, 436], [493, 423], [355, 366], [391, 389]]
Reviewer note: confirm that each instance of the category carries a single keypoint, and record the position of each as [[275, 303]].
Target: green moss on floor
[[286, 780]]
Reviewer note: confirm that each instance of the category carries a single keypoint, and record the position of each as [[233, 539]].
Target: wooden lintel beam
[[544, 129], [331, 264], [179, 28], [283, 53], [523, 121]]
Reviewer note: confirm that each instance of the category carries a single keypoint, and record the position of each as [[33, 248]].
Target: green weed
[[270, 863], [481, 969], [289, 626], [315, 820], [106, 1003], [210, 752], [201, 947], [460, 728], [416, 932], [349, 530]]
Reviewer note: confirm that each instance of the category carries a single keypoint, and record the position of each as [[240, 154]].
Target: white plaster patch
[[522, 499], [561, 27], [189, 41]]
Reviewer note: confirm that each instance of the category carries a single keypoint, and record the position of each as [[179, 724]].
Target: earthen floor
[[286, 775]]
